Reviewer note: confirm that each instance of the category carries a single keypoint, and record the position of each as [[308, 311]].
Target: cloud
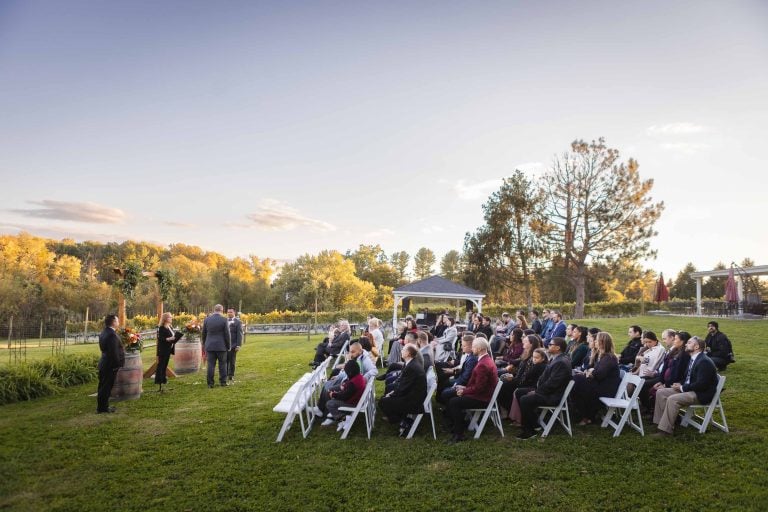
[[274, 215], [179, 224], [531, 167], [676, 129], [59, 232], [475, 190], [78, 212], [378, 233], [430, 230], [688, 148]]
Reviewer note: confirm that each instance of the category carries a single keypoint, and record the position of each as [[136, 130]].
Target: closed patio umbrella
[[662, 292], [731, 290]]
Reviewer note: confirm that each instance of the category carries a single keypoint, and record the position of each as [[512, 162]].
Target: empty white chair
[[427, 410], [690, 416], [623, 405], [492, 411], [559, 413]]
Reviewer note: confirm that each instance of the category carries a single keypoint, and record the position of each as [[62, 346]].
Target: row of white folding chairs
[[300, 400], [366, 405]]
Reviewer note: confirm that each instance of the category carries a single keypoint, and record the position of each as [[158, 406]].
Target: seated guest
[[602, 380], [486, 328], [570, 342], [457, 375], [698, 387], [394, 368], [425, 349], [627, 357], [512, 352], [477, 322], [591, 355], [367, 370], [476, 394], [549, 389], [443, 346], [536, 324], [558, 328], [525, 375], [410, 390], [348, 395], [580, 345], [502, 333], [652, 357], [395, 349], [719, 347], [521, 323], [671, 370], [332, 345], [546, 324], [374, 329], [440, 326]]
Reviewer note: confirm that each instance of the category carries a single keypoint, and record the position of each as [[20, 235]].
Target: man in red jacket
[[477, 393]]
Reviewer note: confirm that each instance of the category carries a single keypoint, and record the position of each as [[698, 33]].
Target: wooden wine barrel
[[187, 357], [128, 381]]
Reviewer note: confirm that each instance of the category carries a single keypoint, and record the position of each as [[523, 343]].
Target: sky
[[284, 128]]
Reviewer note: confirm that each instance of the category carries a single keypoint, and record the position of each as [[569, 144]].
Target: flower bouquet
[[130, 339], [192, 330]]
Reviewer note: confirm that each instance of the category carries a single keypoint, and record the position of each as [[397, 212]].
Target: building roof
[[437, 286]]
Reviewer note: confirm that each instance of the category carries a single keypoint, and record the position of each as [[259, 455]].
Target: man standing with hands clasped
[[112, 359], [236, 334], [217, 340]]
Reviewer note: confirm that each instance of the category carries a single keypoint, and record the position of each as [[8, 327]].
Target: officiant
[[166, 341]]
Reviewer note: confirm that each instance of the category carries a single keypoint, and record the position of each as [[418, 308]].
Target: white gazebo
[[761, 270], [436, 287]]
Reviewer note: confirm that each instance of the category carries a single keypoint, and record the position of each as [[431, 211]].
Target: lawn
[[196, 448]]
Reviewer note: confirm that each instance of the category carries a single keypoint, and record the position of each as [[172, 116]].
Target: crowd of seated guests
[[676, 370]]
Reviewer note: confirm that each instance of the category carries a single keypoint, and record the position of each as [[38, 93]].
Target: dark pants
[[528, 404], [162, 366], [720, 362], [221, 357], [395, 408], [231, 360], [106, 381], [457, 407]]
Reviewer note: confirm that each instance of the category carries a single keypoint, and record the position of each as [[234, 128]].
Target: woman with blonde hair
[[166, 341], [602, 380]]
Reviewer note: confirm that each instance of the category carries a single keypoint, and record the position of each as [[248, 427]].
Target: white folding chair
[[691, 417], [492, 411], [427, 410], [342, 354], [623, 405], [366, 405], [294, 403], [559, 413]]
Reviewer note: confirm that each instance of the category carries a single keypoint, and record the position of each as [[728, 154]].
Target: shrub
[[69, 370], [24, 382]]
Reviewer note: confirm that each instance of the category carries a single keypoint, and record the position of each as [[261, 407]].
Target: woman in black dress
[[166, 341]]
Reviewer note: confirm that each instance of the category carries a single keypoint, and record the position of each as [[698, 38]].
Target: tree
[[451, 265], [423, 263], [511, 242], [400, 262], [714, 287], [371, 265], [597, 209], [684, 286]]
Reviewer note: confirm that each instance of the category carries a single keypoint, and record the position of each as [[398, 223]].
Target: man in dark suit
[[112, 359], [698, 387], [549, 389], [558, 328], [236, 334], [410, 389], [217, 340]]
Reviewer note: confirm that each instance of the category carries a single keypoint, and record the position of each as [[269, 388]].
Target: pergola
[[436, 287], [761, 270]]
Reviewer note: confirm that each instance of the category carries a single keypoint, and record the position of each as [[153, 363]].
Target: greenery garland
[[130, 279], [166, 282]]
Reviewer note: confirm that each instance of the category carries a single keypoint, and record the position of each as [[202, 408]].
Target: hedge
[[27, 381]]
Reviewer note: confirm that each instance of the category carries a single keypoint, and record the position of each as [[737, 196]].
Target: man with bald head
[[217, 340]]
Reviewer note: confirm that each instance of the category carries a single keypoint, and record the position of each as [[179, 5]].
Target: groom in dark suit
[[217, 341], [112, 359], [236, 334]]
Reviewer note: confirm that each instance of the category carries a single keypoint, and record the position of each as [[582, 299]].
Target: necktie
[[688, 374]]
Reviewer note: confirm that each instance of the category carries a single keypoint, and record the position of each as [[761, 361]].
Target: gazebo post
[[698, 296]]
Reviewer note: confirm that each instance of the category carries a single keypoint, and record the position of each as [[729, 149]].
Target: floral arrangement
[[192, 329], [131, 339]]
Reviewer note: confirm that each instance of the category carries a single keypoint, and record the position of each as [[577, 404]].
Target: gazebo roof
[[437, 286]]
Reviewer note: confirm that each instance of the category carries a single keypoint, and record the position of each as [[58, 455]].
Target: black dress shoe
[[210, 386], [383, 376], [455, 439]]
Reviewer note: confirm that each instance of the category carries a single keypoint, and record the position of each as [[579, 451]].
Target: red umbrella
[[662, 292], [731, 290]]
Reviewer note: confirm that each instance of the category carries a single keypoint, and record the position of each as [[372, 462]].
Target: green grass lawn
[[196, 448]]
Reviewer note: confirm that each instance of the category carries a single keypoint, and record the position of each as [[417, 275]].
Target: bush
[[42, 378], [24, 382]]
